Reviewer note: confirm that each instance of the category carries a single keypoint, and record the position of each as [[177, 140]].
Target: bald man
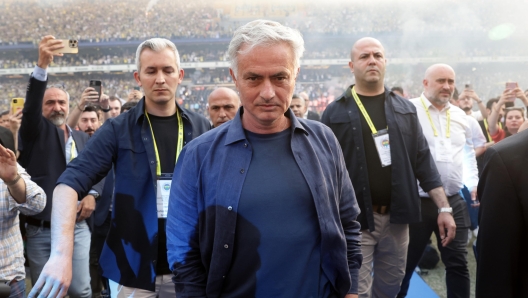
[[223, 105], [385, 153], [448, 132]]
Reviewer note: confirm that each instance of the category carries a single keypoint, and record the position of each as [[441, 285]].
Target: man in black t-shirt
[[385, 152]]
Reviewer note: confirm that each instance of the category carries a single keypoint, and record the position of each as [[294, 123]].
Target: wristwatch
[[445, 209], [105, 110]]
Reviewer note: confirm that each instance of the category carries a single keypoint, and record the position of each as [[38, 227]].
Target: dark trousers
[[454, 255], [99, 234]]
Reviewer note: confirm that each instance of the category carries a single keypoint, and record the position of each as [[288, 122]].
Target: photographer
[[513, 117]]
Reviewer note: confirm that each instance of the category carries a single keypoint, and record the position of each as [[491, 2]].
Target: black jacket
[[410, 155], [42, 148], [502, 242]]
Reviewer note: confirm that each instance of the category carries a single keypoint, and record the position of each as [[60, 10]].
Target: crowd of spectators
[[103, 21], [322, 85]]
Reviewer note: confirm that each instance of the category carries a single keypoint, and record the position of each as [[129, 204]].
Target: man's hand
[[446, 223], [351, 296], [135, 95], [47, 45], [85, 208], [55, 278], [475, 202], [104, 103], [471, 94], [8, 165], [89, 95]]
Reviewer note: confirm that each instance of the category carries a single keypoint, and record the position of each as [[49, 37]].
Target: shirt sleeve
[[499, 136], [479, 140], [35, 196], [40, 74], [470, 174]]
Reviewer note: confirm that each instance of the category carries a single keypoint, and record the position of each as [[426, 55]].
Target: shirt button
[[223, 276], [145, 139], [363, 188], [152, 162], [245, 145], [229, 208], [361, 168], [353, 128], [226, 246], [188, 133], [241, 171], [357, 148]]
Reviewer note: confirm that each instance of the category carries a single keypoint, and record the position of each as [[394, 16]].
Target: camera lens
[[15, 101]]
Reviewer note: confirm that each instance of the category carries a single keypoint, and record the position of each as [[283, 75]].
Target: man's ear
[[233, 76], [351, 65], [136, 77]]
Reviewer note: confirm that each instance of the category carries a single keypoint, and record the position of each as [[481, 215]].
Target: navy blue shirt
[[130, 252], [205, 200], [275, 226]]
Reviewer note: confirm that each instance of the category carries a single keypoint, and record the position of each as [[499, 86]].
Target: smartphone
[[137, 88], [17, 104], [511, 85], [96, 84], [71, 46], [468, 87]]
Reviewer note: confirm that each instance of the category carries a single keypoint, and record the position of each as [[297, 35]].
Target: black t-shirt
[[379, 177], [166, 134], [277, 249]]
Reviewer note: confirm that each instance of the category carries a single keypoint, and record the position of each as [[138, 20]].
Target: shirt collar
[[428, 103], [139, 110], [236, 132]]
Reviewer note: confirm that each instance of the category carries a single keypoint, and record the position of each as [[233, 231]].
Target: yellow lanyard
[[487, 129], [363, 111], [72, 156], [448, 114], [180, 141]]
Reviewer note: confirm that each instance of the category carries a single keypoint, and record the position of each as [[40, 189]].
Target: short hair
[[4, 113], [128, 105], [264, 33], [90, 108], [60, 87], [296, 96], [114, 98], [157, 44], [397, 88], [489, 104]]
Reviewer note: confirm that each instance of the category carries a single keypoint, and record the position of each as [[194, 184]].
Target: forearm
[[63, 217], [439, 197], [483, 110], [492, 121], [17, 190], [75, 115]]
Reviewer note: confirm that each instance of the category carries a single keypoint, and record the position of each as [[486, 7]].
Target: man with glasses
[[47, 146]]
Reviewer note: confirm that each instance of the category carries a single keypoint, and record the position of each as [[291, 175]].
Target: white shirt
[[479, 140], [462, 170]]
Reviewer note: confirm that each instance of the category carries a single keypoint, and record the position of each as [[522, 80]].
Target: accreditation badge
[[162, 194], [382, 142], [443, 150]]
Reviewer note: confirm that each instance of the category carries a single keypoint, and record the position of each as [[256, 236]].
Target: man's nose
[[267, 92]]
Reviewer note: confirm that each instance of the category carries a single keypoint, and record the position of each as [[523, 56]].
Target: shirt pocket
[[132, 160]]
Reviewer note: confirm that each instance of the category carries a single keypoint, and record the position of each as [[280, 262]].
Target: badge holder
[[163, 193], [382, 142]]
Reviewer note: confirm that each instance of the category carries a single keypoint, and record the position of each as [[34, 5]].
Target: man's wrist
[[14, 181]]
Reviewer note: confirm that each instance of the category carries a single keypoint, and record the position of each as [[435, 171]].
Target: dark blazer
[[6, 138], [313, 116], [42, 146], [502, 243]]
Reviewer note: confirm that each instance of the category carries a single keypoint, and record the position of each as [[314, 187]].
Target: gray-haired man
[[262, 206], [142, 146]]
